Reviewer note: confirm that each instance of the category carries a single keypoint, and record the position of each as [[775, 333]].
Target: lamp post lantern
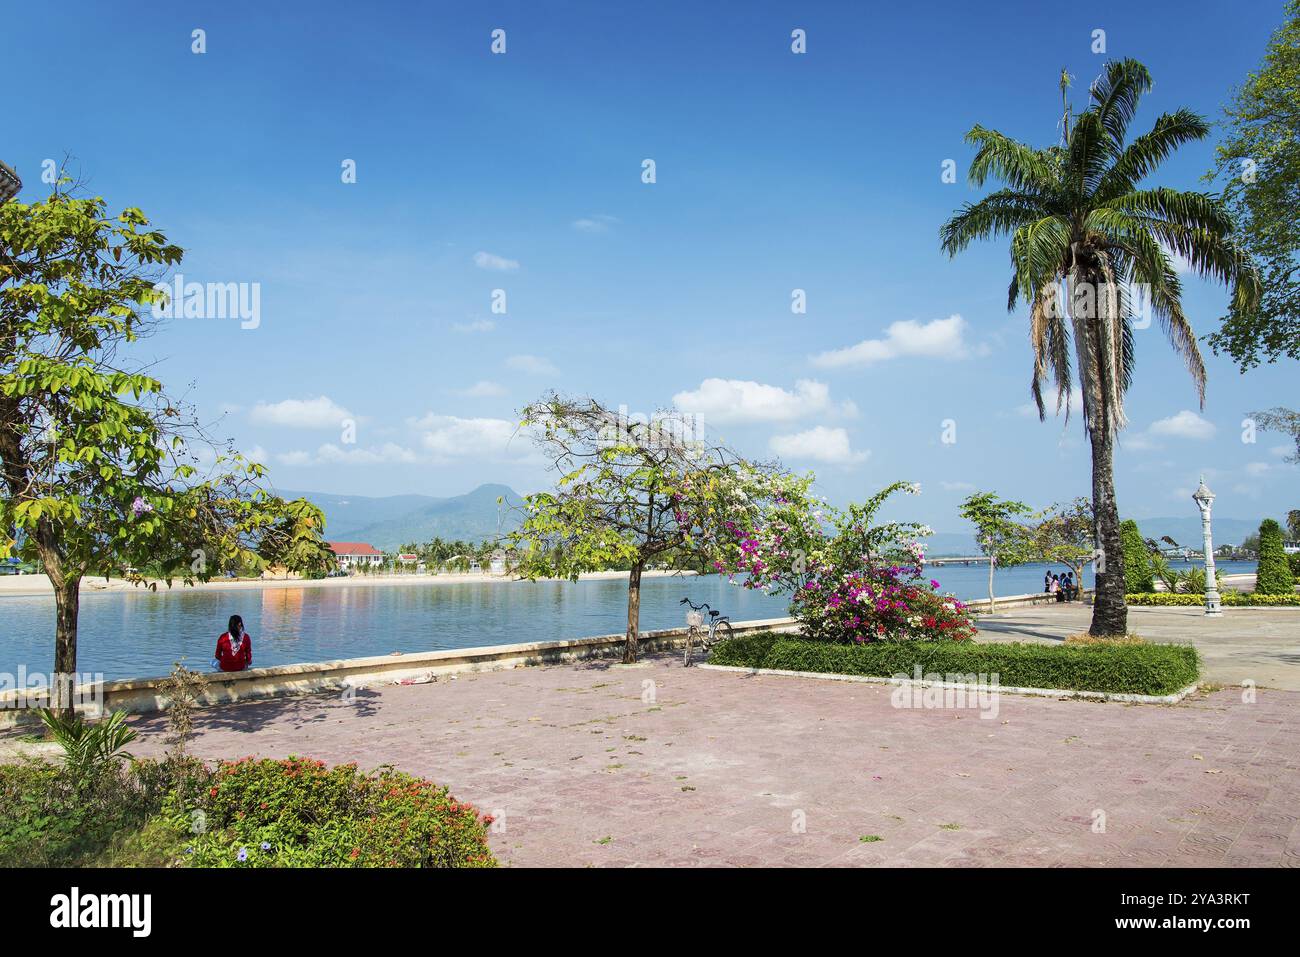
[[10, 184], [1204, 499]]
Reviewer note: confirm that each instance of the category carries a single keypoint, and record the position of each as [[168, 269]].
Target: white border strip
[[1035, 692]]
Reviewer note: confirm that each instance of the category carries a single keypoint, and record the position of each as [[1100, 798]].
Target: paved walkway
[[606, 765], [1256, 644]]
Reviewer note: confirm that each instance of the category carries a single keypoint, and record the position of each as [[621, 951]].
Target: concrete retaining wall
[[142, 695]]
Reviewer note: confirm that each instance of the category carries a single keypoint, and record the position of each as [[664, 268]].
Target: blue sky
[[522, 172]]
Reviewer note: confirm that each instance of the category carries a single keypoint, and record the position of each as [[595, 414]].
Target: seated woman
[[235, 647]]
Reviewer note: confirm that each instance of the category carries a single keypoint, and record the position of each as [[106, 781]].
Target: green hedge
[[1139, 575], [1228, 599], [1132, 669]]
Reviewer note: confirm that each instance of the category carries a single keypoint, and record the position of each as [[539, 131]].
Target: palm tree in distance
[[1090, 248]]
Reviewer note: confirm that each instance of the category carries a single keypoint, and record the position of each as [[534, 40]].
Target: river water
[[140, 633]]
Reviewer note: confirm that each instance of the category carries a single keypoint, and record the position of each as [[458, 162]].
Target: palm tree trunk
[[1109, 612], [633, 614]]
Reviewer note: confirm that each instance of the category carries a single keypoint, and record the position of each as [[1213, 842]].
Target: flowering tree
[[630, 493], [97, 467], [848, 579]]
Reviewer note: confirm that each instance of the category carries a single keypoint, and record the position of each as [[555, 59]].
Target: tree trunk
[[633, 613], [1109, 612], [992, 601], [67, 604]]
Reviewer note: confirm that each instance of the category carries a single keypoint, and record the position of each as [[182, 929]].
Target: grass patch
[[1117, 668], [1083, 638]]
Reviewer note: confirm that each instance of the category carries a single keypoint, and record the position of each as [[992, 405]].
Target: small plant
[[88, 748], [182, 689], [870, 838]]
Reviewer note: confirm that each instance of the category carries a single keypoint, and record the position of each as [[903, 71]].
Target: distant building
[[407, 558], [355, 554]]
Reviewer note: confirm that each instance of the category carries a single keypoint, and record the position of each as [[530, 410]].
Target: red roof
[[353, 548]]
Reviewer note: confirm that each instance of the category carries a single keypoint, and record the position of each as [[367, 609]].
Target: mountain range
[[391, 521]]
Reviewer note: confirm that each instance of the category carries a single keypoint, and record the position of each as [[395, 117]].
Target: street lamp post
[[10, 184], [1204, 499]]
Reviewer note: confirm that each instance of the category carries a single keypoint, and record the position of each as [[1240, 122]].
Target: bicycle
[[695, 622]]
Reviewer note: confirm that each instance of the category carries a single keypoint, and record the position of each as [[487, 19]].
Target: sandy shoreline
[[27, 585]]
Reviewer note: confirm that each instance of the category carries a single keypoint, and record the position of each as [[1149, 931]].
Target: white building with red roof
[[354, 554]]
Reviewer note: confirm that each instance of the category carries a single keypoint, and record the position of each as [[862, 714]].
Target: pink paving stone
[[720, 769]]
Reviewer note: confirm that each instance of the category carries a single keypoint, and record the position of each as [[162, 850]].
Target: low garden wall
[[142, 695]]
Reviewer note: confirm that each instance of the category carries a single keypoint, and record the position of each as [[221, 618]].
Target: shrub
[[299, 813], [1116, 668], [1293, 560], [53, 817], [743, 649], [1227, 599], [880, 604], [1137, 559], [1273, 574], [88, 748]]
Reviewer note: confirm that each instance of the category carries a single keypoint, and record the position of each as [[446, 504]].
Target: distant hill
[[1187, 531], [393, 520]]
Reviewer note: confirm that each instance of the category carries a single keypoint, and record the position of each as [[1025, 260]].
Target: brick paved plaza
[[728, 769]]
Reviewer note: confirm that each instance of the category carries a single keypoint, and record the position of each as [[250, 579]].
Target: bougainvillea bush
[[298, 812], [849, 579], [880, 603]]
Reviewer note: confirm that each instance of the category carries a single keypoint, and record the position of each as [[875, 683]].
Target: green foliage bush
[[1128, 668], [56, 816], [1294, 562], [743, 650], [1273, 574], [1229, 598], [291, 813], [299, 813], [1138, 573]]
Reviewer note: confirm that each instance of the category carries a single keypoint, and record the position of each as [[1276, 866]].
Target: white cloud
[[486, 260], [449, 436], [819, 444], [741, 400], [532, 365], [957, 486], [1183, 425], [598, 223], [477, 325], [940, 339], [483, 390], [319, 413], [330, 454]]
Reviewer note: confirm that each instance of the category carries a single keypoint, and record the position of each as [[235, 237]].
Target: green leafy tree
[[297, 542], [1281, 419], [1139, 573], [1273, 573], [97, 471], [1259, 165], [1006, 541], [627, 494], [1084, 234], [1064, 534], [1293, 523]]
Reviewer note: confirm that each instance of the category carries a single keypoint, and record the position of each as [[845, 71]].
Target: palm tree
[[1085, 240]]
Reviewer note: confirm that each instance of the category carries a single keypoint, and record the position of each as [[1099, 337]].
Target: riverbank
[[29, 585]]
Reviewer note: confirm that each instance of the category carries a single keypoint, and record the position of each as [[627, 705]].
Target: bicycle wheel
[[723, 632], [686, 657]]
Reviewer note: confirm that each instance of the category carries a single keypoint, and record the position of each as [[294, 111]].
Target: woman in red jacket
[[234, 648]]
